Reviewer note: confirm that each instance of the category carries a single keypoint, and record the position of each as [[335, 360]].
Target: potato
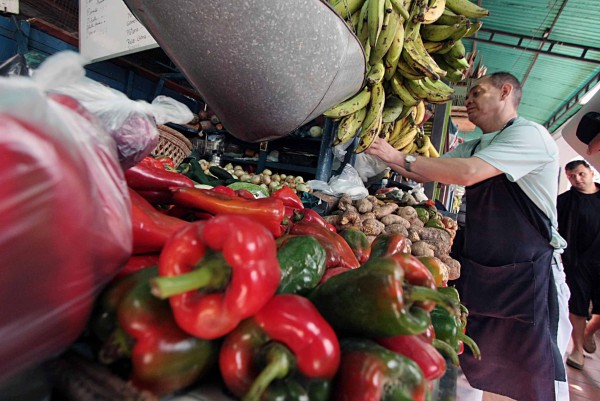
[[384, 210]]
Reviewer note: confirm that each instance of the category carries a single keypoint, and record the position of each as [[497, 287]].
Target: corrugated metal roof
[[514, 28]]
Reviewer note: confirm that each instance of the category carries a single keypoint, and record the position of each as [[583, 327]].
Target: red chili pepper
[[288, 197], [309, 216], [166, 161], [151, 229], [221, 189], [137, 263], [157, 197], [417, 348], [142, 176], [269, 212], [233, 258], [292, 336], [153, 162], [244, 193]]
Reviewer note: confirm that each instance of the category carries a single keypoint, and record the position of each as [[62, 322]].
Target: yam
[[369, 215], [408, 212], [333, 219], [350, 217], [363, 205], [395, 229], [345, 203], [413, 234], [453, 267], [394, 219], [372, 227], [422, 248], [440, 248], [435, 234], [384, 210]]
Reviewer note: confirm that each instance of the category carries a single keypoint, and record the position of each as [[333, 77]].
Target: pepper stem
[[471, 344], [279, 363], [446, 349], [212, 273], [423, 294]]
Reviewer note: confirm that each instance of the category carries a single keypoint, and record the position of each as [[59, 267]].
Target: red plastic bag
[[64, 218]]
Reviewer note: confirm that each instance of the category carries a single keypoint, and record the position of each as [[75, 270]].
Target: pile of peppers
[[268, 294]]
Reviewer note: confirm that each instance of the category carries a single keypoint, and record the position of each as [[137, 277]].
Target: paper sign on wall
[[9, 6], [108, 29]]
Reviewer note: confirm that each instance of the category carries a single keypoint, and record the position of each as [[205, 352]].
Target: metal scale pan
[[265, 67]]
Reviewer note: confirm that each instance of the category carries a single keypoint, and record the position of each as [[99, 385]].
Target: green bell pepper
[[302, 261]]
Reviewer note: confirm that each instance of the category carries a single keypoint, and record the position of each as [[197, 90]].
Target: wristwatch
[[408, 160]]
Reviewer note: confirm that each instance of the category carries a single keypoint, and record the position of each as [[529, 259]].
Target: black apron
[[507, 284]]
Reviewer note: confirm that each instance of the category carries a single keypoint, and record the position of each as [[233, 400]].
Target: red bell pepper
[[269, 212], [245, 194], [163, 357], [417, 274], [370, 372], [339, 253], [138, 262], [433, 265], [358, 242], [310, 216], [296, 344], [143, 176], [417, 348], [288, 197], [237, 267], [151, 229], [389, 244]]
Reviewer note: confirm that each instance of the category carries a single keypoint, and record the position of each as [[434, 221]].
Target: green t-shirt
[[528, 155]]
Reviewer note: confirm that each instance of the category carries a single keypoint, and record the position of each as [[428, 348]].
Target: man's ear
[[505, 91]]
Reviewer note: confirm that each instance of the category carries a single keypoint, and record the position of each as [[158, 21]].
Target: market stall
[[214, 264]]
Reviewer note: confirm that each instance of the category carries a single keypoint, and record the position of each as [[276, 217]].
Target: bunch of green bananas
[[410, 46]]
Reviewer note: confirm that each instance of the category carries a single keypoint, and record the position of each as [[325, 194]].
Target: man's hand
[[383, 150], [594, 145]]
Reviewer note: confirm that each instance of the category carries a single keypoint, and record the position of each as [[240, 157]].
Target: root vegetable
[[363, 205], [384, 210], [422, 248], [394, 219], [408, 212], [350, 217], [333, 219], [453, 267], [372, 227], [435, 234], [369, 215], [440, 248], [395, 229], [345, 202], [413, 234]]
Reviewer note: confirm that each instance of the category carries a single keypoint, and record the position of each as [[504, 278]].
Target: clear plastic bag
[[367, 166], [131, 123], [64, 213]]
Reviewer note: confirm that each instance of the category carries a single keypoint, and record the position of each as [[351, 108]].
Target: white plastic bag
[[347, 182], [132, 124]]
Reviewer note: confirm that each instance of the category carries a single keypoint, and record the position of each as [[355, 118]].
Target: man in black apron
[[510, 243]]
